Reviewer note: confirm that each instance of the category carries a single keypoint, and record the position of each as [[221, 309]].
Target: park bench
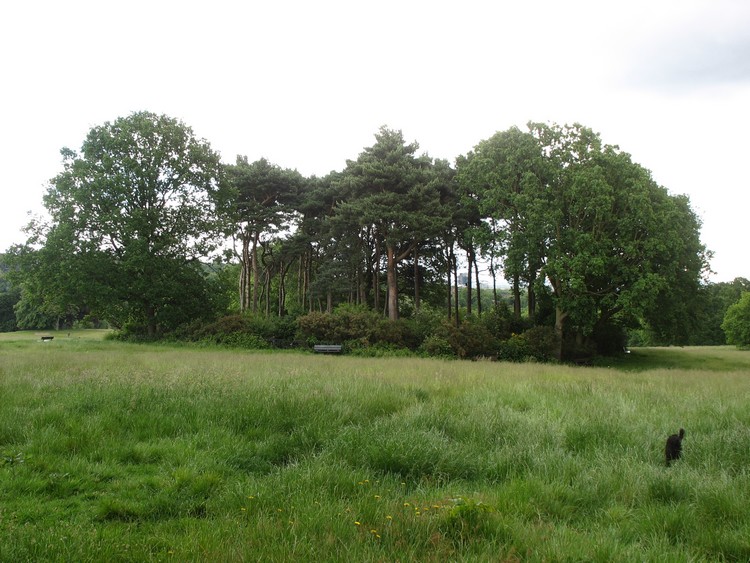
[[47, 338], [327, 348]]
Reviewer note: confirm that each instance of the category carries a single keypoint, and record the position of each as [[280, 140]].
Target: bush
[[515, 349], [245, 331], [437, 346], [355, 323], [470, 340], [541, 342]]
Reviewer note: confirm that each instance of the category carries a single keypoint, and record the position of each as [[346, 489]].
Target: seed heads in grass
[[12, 459]]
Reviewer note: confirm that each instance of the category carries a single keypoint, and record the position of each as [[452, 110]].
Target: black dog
[[673, 449]]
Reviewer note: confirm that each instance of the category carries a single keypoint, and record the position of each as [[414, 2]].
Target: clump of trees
[[590, 245]]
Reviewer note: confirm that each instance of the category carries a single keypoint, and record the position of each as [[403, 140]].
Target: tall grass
[[117, 452]]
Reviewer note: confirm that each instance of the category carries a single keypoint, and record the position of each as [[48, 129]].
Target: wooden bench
[[327, 348], [47, 338]]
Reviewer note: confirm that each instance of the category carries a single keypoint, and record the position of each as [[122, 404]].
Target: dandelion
[[407, 504], [356, 523], [243, 509], [377, 496], [389, 517], [373, 531]]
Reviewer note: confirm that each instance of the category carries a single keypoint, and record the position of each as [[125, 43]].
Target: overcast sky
[[307, 84]]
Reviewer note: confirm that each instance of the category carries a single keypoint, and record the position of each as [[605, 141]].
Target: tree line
[[149, 231]]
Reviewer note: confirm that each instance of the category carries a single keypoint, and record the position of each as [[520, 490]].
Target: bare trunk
[[455, 288], [450, 288], [245, 275], [516, 296], [282, 288], [150, 321], [560, 317], [479, 294], [392, 282], [495, 298], [256, 270], [416, 280], [376, 277], [532, 301], [470, 260]]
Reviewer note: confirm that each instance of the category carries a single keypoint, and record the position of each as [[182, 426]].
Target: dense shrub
[[245, 331], [469, 340], [514, 349], [437, 346], [358, 327], [541, 342]]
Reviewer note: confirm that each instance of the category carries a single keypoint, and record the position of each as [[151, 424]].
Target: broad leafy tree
[[736, 323], [617, 244], [131, 215]]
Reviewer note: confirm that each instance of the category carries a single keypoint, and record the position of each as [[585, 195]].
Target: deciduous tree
[[131, 214]]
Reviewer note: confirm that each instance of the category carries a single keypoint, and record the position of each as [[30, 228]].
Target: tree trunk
[[532, 300], [469, 260], [282, 287], [495, 298], [245, 274], [455, 288], [376, 276], [150, 321], [516, 296], [256, 270], [560, 317], [450, 287], [479, 293], [392, 281], [416, 280]]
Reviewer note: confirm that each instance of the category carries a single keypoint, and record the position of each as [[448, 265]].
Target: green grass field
[[119, 452]]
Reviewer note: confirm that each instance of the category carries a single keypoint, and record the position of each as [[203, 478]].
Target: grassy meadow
[[119, 452]]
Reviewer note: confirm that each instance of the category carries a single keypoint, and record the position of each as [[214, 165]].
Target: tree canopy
[[736, 323], [130, 217], [591, 245]]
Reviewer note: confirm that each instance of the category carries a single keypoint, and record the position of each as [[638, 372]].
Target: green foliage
[[501, 323], [736, 323], [241, 331], [131, 214], [470, 340], [438, 347], [541, 342], [8, 301], [360, 327]]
